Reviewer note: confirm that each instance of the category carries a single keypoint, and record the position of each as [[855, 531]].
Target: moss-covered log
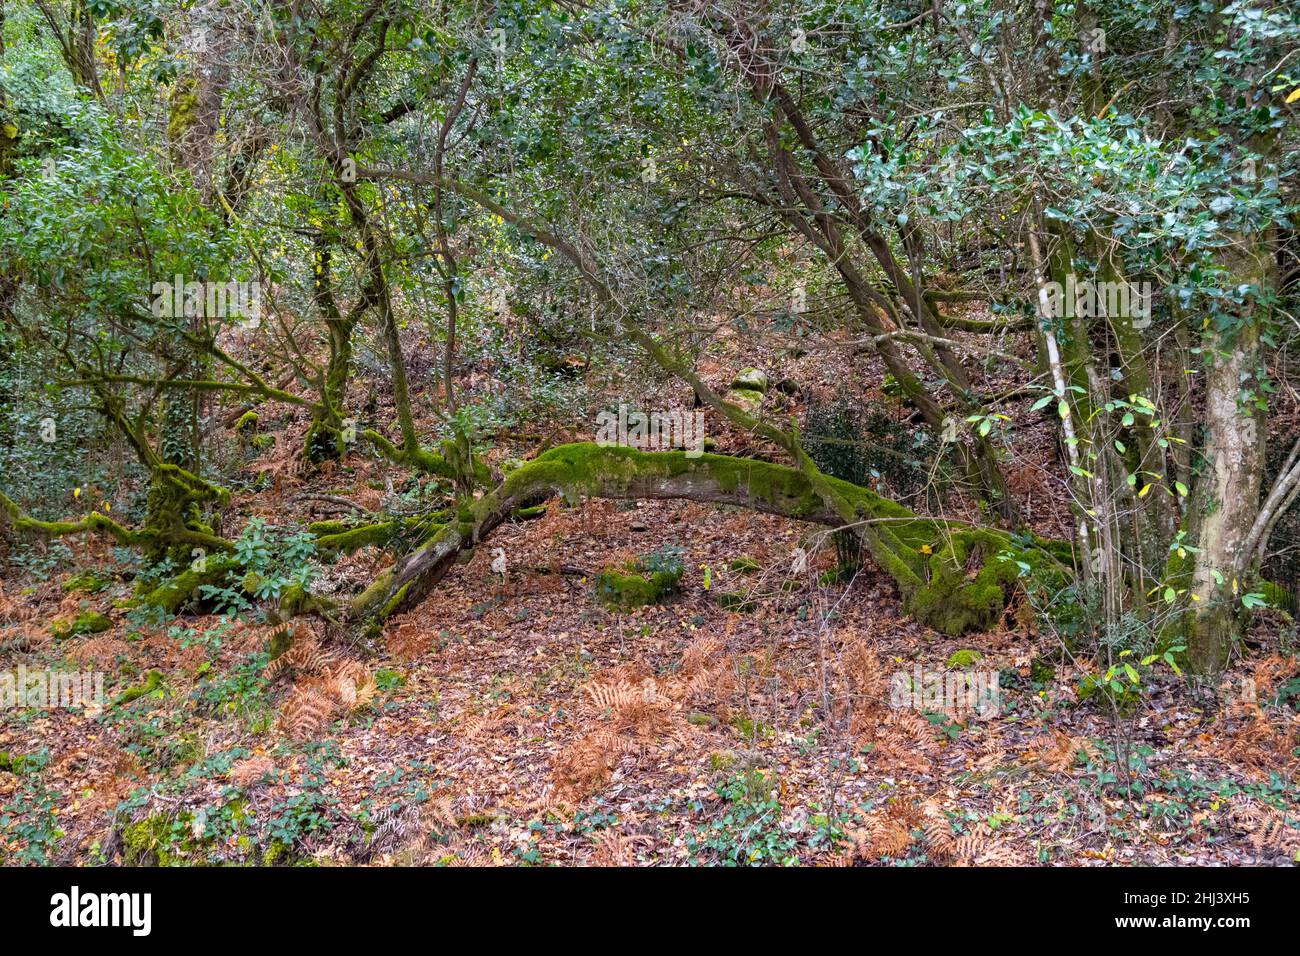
[[953, 576]]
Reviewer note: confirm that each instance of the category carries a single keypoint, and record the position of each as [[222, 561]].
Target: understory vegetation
[[846, 432]]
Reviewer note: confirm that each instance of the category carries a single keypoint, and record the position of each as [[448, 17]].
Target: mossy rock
[[88, 622], [616, 589], [751, 379], [747, 398], [90, 582], [964, 658], [951, 601], [745, 565]]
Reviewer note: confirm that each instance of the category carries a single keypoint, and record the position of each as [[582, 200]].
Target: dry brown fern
[[1000, 854], [304, 656], [307, 712], [586, 765], [247, 772], [862, 667], [353, 684], [1061, 752], [615, 849], [702, 655]]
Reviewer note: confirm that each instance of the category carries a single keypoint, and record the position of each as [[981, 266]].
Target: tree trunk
[[952, 576]]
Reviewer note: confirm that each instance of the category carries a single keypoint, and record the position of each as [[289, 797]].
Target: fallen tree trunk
[[953, 576]]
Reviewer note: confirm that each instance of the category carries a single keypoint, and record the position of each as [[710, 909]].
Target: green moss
[[153, 681], [747, 398], [324, 442], [184, 109], [163, 840], [751, 379], [365, 602], [88, 622], [342, 537], [745, 565], [149, 842], [174, 594], [277, 852], [91, 582], [951, 601], [296, 599], [840, 574], [261, 442], [280, 642], [615, 589], [964, 658], [395, 601], [1275, 595], [752, 729], [173, 509], [247, 423], [529, 514]]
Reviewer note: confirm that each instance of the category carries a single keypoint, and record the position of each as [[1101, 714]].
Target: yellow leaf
[[1143, 492], [1293, 95], [76, 492]]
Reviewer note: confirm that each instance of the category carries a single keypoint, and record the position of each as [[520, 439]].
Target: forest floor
[[512, 719]]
